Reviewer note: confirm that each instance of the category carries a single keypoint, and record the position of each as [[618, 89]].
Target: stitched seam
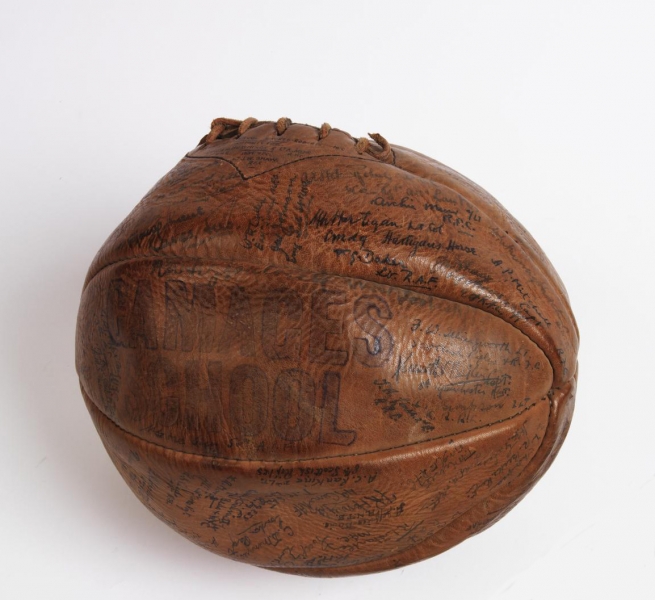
[[337, 569], [339, 275], [395, 557], [447, 526], [216, 261], [313, 458], [520, 246], [362, 145]]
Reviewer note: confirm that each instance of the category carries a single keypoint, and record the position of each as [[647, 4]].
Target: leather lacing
[[223, 128]]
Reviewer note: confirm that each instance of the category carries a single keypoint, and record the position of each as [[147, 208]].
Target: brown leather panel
[[514, 235], [482, 515], [324, 366], [326, 516]]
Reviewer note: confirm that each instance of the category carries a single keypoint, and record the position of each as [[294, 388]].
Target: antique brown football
[[324, 355]]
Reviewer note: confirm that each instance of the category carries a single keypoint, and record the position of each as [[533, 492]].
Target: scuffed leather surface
[[307, 358]]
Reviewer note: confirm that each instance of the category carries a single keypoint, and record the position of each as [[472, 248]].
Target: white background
[[547, 105]]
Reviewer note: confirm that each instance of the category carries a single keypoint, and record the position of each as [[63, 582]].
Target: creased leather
[[324, 355]]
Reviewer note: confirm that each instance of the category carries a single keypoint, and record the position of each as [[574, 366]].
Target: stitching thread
[[224, 128]]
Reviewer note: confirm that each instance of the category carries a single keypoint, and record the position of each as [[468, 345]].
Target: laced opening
[[223, 128], [282, 124], [383, 153]]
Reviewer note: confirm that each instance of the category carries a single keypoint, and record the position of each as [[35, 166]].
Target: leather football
[[324, 355]]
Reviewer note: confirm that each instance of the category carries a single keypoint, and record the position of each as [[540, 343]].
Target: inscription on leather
[[322, 354], [244, 362]]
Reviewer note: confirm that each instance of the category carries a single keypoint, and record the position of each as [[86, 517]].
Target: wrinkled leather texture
[[324, 355]]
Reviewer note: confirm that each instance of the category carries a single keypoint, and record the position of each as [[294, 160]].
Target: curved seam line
[[427, 180], [313, 458], [200, 259], [519, 246], [297, 160], [447, 526], [341, 276]]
